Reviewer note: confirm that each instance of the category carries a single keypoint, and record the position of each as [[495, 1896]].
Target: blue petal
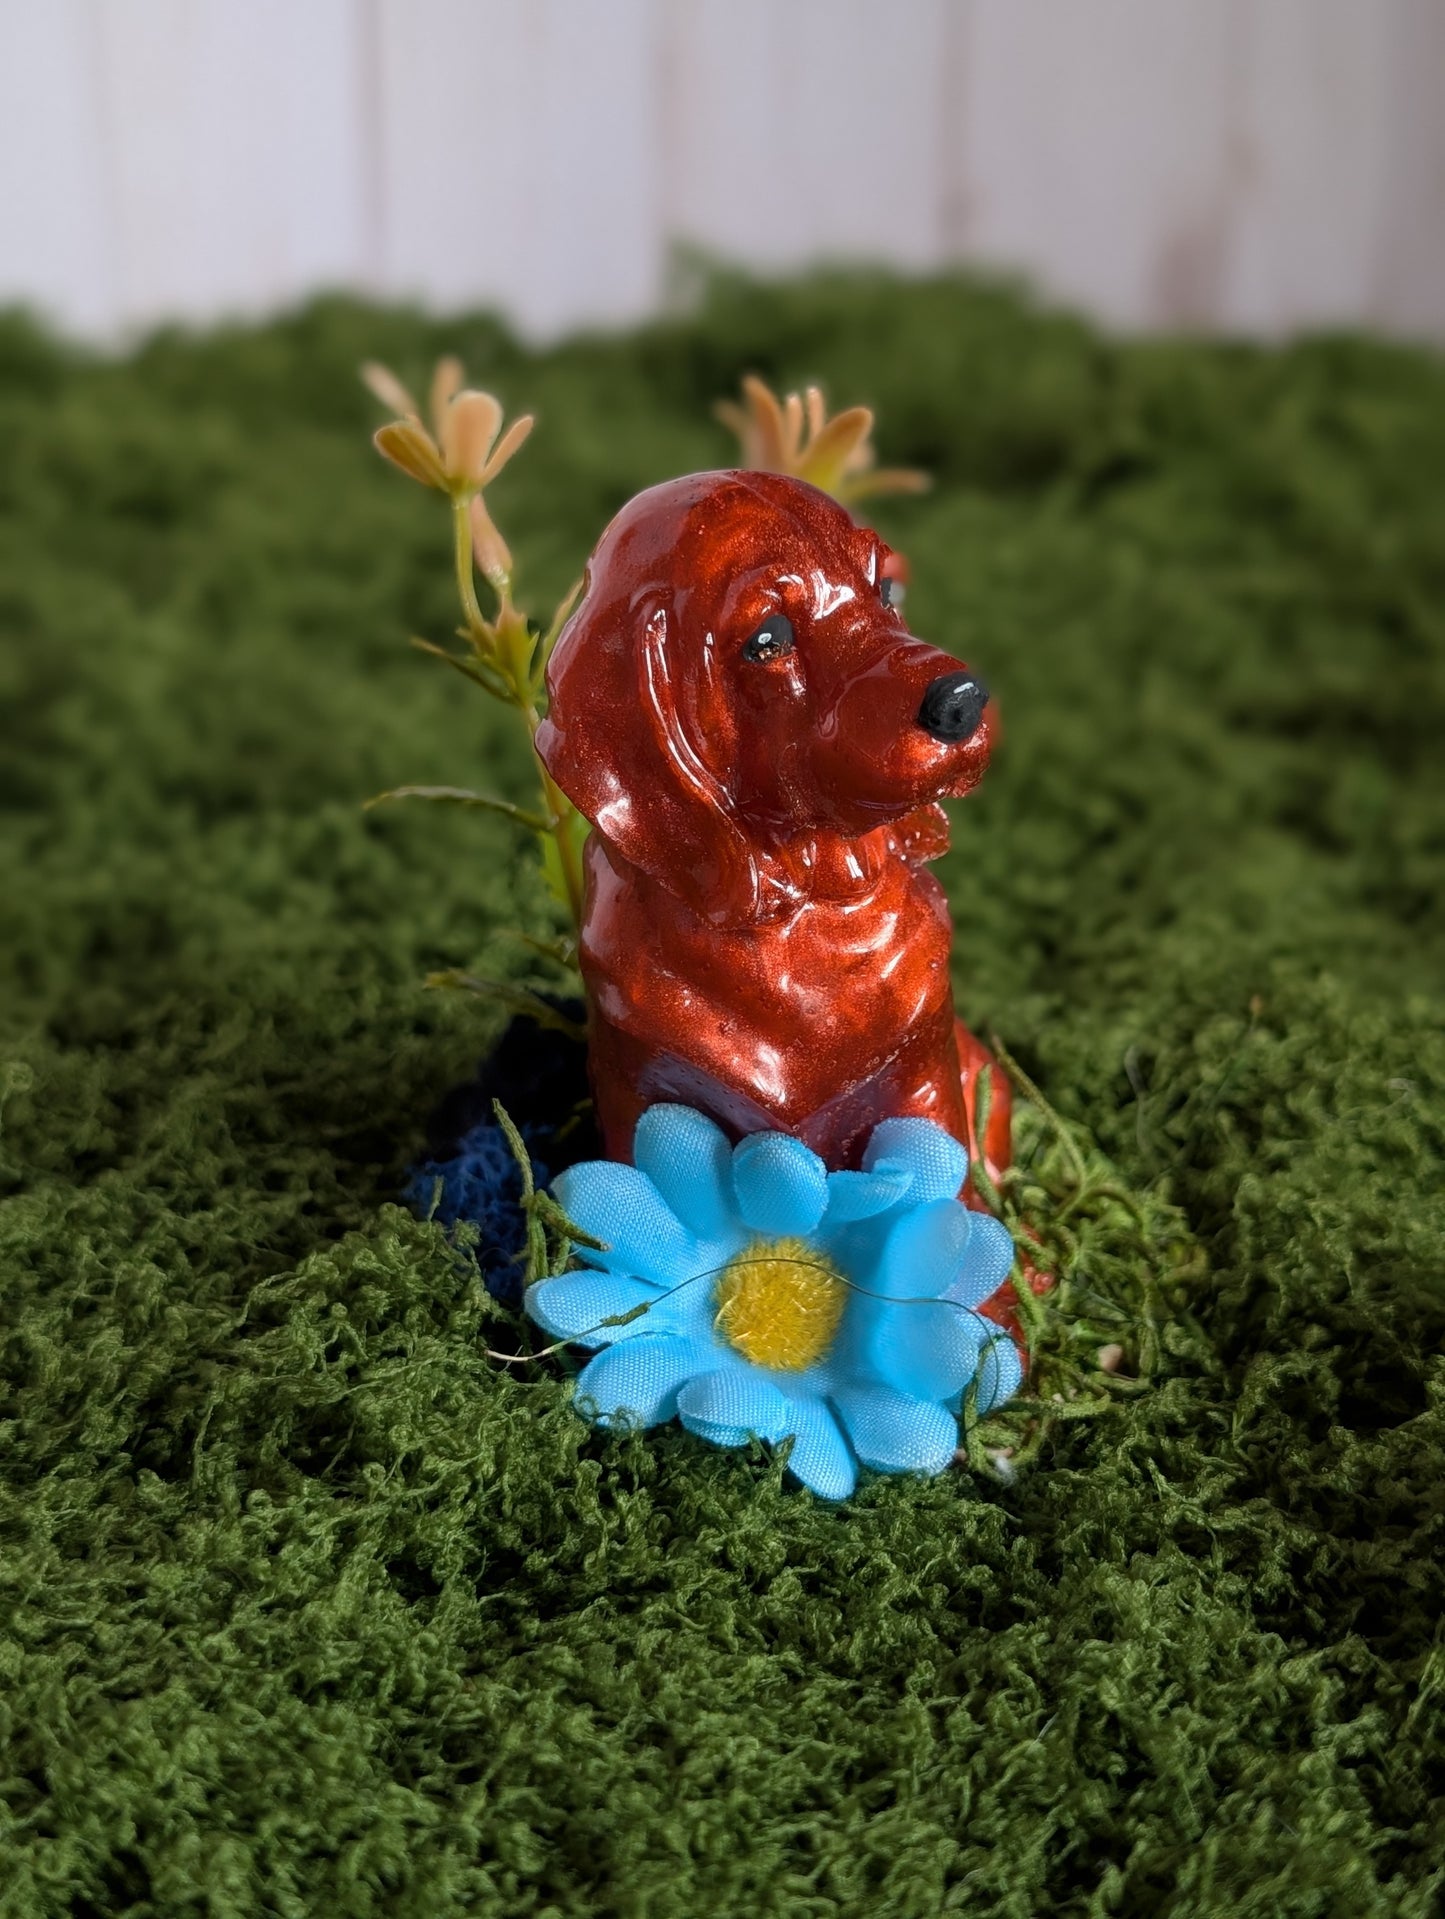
[[781, 1184], [575, 1306], [860, 1195], [726, 1406], [938, 1163], [637, 1383], [689, 1161], [621, 1207], [930, 1352], [987, 1260], [821, 1456], [894, 1433], [1000, 1374], [923, 1254]]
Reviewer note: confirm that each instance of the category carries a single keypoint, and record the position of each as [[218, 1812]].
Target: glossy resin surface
[[760, 743]]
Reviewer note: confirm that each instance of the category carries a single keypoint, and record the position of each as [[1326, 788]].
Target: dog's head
[[735, 680]]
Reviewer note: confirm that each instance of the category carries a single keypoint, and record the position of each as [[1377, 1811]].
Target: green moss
[[310, 1608]]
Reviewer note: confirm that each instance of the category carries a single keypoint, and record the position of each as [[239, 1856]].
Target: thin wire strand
[[645, 1306]]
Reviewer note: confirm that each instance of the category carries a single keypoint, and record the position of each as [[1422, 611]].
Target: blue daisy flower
[[748, 1291]]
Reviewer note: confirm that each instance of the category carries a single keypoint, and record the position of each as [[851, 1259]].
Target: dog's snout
[[953, 706]]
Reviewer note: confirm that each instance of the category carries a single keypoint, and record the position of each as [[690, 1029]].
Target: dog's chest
[[824, 996]]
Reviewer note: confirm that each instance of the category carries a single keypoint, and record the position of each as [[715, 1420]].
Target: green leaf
[[463, 796], [550, 1234], [510, 994], [554, 632], [562, 951], [555, 1219], [479, 672], [553, 871], [632, 1313]]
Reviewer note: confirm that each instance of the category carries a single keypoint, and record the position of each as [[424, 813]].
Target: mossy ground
[[308, 1608]]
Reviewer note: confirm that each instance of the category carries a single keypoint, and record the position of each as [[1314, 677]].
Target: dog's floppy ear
[[632, 738]]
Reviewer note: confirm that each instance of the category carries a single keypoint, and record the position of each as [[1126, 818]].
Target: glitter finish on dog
[[760, 743]]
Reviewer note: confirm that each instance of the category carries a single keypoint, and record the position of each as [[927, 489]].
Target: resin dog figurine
[[760, 743]]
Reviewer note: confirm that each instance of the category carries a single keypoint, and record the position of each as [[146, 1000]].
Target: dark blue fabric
[[481, 1184], [540, 1077]]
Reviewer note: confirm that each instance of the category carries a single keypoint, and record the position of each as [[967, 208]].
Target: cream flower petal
[[468, 433], [506, 447], [407, 444], [389, 390]]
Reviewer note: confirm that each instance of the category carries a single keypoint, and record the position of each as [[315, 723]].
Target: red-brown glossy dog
[[760, 744]]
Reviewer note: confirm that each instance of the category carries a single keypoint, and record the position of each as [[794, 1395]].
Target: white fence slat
[[805, 130], [1311, 117], [518, 156], [55, 242], [1254, 164], [1407, 285], [1095, 150], [233, 153]]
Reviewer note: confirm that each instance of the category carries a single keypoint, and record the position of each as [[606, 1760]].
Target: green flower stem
[[466, 575], [569, 849], [517, 672]]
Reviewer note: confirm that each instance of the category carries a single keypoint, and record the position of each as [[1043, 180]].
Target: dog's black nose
[[953, 706]]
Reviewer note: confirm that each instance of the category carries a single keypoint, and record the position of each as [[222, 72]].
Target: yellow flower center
[[779, 1303]]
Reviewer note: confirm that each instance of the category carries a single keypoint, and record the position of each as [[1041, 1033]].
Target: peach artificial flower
[[796, 436], [462, 453]]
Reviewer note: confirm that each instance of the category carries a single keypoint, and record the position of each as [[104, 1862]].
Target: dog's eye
[[891, 592], [772, 640]]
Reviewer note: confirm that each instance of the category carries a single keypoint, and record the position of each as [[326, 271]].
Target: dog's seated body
[[760, 744]]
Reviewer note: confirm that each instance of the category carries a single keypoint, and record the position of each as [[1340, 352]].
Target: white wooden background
[[1236, 164]]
